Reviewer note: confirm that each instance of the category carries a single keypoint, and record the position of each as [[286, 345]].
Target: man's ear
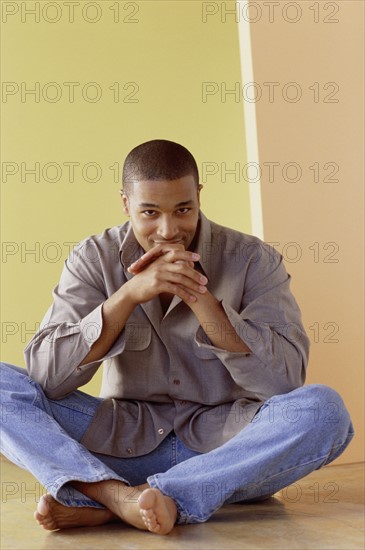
[[200, 187], [125, 202]]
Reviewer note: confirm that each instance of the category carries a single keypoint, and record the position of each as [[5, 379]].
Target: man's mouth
[[169, 242]]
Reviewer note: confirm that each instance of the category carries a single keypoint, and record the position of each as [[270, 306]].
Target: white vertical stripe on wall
[[249, 109]]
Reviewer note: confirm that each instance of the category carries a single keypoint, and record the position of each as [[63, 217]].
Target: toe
[[38, 517], [43, 506], [149, 514]]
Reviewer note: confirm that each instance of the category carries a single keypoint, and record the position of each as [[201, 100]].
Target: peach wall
[[317, 221]]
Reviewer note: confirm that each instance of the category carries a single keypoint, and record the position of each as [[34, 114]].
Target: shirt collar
[[203, 244], [130, 249]]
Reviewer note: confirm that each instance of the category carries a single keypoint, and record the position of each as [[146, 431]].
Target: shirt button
[[176, 381], [129, 450], [161, 431]]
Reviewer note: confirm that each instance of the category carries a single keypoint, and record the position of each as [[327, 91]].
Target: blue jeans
[[290, 436]]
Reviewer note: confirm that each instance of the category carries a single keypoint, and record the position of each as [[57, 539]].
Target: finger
[[191, 281], [190, 264], [139, 265], [151, 255], [185, 294], [186, 269], [147, 258], [171, 255]]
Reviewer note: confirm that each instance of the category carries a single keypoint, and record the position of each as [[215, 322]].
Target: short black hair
[[158, 159]]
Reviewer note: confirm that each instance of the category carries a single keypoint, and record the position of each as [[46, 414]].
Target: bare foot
[[142, 506], [157, 511], [52, 515]]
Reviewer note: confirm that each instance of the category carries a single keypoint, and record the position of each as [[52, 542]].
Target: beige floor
[[324, 510]]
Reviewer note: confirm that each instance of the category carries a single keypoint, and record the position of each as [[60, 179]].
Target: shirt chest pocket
[[137, 336]]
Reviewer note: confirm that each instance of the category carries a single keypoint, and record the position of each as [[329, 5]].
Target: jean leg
[[25, 407], [170, 452], [36, 436], [292, 435]]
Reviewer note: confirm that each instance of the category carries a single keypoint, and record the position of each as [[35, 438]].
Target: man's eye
[[183, 210], [149, 212]]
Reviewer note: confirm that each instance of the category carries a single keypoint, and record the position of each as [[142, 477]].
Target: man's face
[[163, 211]]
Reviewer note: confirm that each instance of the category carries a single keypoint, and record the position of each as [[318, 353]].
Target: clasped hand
[[166, 268]]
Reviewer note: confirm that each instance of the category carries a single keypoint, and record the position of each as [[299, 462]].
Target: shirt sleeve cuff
[[202, 340], [91, 326]]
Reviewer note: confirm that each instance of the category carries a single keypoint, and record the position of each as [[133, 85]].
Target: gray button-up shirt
[[162, 373]]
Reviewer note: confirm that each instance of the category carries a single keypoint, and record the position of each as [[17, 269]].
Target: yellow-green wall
[[160, 56]]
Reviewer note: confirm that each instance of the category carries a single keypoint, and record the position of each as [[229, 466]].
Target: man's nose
[[167, 228]]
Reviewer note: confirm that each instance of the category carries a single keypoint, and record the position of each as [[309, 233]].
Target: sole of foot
[[158, 512]]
